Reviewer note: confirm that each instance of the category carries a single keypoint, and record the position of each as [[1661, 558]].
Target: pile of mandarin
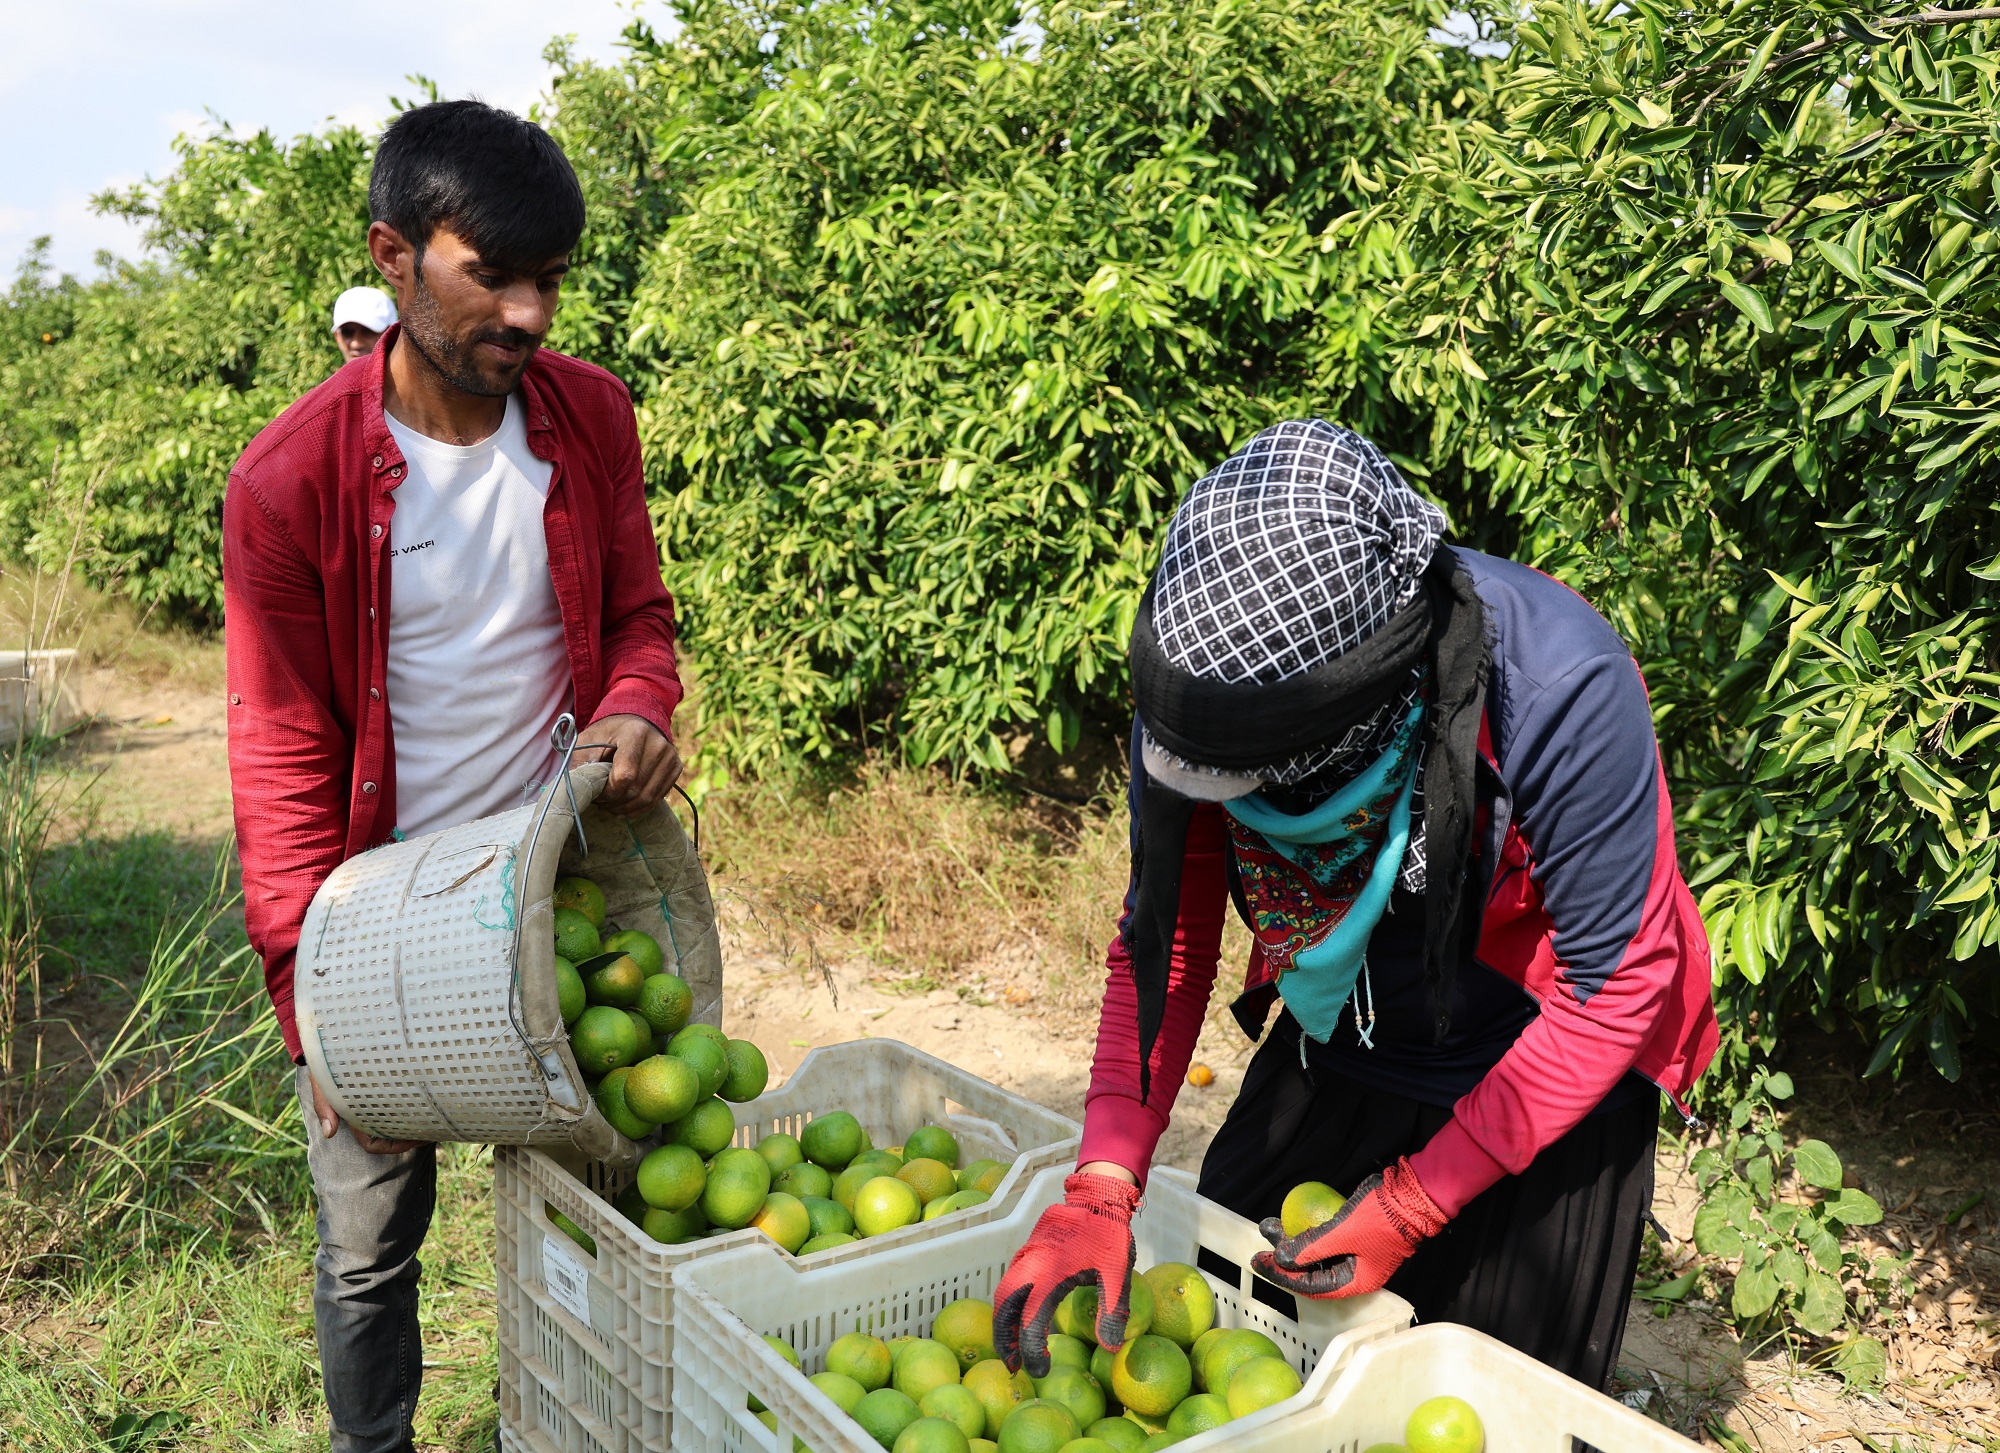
[[655, 1076], [1177, 1374]]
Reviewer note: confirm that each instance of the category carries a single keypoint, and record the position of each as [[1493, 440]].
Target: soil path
[[160, 749]]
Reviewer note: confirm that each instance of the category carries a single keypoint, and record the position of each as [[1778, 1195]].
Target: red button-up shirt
[[305, 573]]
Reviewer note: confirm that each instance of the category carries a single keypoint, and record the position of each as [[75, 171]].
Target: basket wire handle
[[562, 738]]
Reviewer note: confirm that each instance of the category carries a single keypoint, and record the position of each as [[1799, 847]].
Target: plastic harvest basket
[[588, 1343], [728, 1302], [1526, 1407], [425, 983]]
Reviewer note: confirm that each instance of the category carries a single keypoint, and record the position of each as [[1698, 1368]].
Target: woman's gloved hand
[[1360, 1248], [1085, 1241]]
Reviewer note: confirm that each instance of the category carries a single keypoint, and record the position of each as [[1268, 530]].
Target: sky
[[93, 92]]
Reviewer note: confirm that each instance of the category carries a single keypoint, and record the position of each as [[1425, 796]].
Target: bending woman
[[1427, 779]]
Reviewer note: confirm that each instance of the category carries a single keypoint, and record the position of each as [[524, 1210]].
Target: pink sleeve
[[1569, 1057], [1116, 1126]]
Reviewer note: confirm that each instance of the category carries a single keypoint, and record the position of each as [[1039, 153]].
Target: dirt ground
[[1924, 1149]]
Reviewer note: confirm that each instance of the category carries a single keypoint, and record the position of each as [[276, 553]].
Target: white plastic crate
[[425, 987], [728, 1302], [588, 1343], [1526, 1406]]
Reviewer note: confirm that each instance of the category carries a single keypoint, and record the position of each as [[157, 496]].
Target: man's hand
[[329, 1126], [645, 763]]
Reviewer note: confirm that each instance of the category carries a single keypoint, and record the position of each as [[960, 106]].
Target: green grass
[[156, 1230], [220, 1333]]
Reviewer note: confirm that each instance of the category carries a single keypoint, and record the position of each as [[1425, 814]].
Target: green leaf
[[1755, 1292], [1944, 1046], [1823, 1244], [1854, 1208], [1821, 1305], [1789, 1268], [1642, 373], [1778, 1085], [1909, 282], [1670, 1291], [1751, 304], [1862, 1362], [1817, 1165], [1841, 257], [1713, 1235], [1885, 1052], [1851, 398]]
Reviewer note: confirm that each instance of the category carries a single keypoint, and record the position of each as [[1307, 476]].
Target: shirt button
[[371, 612], [397, 472], [368, 789], [376, 531], [234, 699], [378, 461], [374, 694]]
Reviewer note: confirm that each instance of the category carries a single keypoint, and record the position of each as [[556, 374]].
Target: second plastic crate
[[1526, 1407], [728, 1303], [587, 1340]]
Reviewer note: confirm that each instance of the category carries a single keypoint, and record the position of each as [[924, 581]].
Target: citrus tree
[[1719, 287], [946, 324]]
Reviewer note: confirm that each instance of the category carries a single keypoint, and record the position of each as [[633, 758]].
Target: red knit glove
[[1086, 1241], [1361, 1247]]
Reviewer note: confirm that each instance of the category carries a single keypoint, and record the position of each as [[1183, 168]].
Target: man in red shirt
[[426, 561]]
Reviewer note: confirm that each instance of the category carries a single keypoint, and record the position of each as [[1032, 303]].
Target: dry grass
[[108, 632], [940, 885]]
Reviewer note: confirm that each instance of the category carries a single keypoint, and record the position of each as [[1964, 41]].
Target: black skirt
[[1543, 1261]]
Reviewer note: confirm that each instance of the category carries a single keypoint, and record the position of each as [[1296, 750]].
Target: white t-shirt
[[478, 671]]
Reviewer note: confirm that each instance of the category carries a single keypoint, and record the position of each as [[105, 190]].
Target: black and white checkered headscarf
[[1290, 553], [1305, 600]]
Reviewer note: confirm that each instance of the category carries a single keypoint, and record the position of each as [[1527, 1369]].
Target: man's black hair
[[497, 181]]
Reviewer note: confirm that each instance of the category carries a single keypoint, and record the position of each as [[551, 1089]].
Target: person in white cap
[[360, 316]]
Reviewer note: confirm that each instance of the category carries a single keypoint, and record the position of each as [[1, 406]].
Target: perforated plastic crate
[[588, 1342], [729, 1302], [425, 988], [1526, 1407]]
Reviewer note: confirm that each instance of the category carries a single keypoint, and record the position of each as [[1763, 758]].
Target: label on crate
[[564, 1276]]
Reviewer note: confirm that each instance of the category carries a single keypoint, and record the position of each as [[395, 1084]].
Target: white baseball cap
[[370, 307]]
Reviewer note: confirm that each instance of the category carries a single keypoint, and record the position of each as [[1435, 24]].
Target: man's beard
[[453, 358]]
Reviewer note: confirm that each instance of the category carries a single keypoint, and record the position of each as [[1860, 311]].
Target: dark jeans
[[373, 1213], [1543, 1261]]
